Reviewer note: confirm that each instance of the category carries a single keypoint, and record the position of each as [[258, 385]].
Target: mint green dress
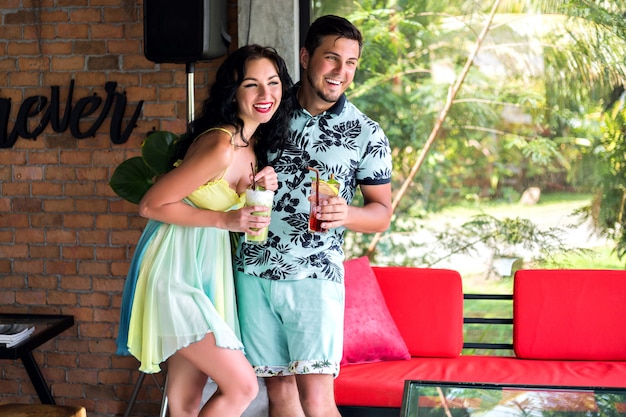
[[181, 287]]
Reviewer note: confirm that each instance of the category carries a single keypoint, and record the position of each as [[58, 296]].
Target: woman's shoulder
[[216, 132], [212, 143]]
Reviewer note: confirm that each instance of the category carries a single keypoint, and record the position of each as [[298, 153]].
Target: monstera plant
[[133, 177]]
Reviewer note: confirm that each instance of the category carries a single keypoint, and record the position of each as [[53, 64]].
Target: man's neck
[[310, 101]]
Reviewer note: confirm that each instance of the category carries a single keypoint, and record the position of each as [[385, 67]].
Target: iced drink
[[259, 198], [319, 194]]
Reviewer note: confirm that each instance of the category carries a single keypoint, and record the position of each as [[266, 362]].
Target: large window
[[512, 120]]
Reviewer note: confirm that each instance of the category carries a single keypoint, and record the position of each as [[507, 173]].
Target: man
[[290, 291]]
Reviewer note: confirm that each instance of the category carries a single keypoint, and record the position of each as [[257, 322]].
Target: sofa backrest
[[569, 314], [427, 307]]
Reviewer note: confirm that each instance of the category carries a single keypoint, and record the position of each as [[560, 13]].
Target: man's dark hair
[[331, 25]]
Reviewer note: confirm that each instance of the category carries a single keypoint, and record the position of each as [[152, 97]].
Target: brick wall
[[65, 237]]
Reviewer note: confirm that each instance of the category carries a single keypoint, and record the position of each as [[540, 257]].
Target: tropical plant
[[609, 202], [133, 177]]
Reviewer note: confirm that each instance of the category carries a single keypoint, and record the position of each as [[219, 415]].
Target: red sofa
[[569, 329]]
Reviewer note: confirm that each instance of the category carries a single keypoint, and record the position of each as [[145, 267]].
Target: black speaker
[[183, 31]]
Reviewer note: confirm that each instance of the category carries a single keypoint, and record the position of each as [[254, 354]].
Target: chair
[[41, 410]]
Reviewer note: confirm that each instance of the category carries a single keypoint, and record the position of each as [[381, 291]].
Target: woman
[[179, 302]]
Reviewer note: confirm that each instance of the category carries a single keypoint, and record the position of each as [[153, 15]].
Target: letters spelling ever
[[85, 107]]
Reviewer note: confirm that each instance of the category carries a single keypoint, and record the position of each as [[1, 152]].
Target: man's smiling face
[[330, 70]]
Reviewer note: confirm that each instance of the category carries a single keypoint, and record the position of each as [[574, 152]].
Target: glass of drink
[[320, 191], [259, 198]]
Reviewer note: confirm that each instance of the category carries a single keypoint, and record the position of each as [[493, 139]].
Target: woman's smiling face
[[260, 92]]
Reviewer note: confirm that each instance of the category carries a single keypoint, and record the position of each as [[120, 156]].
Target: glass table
[[452, 399], [47, 327]]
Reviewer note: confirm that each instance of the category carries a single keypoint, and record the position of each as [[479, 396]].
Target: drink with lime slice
[[319, 193], [259, 198]]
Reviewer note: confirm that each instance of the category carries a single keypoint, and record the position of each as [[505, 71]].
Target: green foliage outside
[[541, 105]]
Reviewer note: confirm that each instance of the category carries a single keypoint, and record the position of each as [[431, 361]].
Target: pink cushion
[[427, 306], [570, 314], [370, 335]]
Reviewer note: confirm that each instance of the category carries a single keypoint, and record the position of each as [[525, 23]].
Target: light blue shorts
[[291, 327]]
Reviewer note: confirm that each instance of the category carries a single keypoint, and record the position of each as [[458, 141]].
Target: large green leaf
[[132, 178], [157, 150]]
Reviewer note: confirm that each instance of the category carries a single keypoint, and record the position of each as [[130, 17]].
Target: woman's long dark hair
[[221, 107]]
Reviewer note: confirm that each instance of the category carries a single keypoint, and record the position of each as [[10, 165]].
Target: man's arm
[[374, 216]]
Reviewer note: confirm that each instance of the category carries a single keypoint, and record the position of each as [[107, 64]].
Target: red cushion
[[427, 306], [382, 384], [370, 334], [570, 314]]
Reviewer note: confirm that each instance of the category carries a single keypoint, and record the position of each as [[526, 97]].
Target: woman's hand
[[266, 178], [243, 220]]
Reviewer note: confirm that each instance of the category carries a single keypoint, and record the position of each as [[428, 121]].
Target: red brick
[[72, 30], [119, 268], [60, 267], [80, 221], [30, 266], [107, 31], [91, 205], [40, 32], [24, 78], [92, 173], [28, 173], [21, 17], [56, 48], [14, 251], [22, 49], [48, 220], [93, 268], [47, 189], [34, 64], [72, 63], [124, 46], [5, 268], [14, 220], [42, 281], [107, 284], [78, 252], [53, 16], [63, 173], [31, 236], [125, 237], [31, 296], [7, 297], [91, 361], [93, 237], [90, 15], [15, 189], [110, 253], [61, 298], [75, 157], [47, 251], [67, 390], [101, 300], [64, 206], [66, 360], [27, 205], [75, 282]]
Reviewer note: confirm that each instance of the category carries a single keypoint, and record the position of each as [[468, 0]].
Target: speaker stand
[[190, 69], [138, 385]]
